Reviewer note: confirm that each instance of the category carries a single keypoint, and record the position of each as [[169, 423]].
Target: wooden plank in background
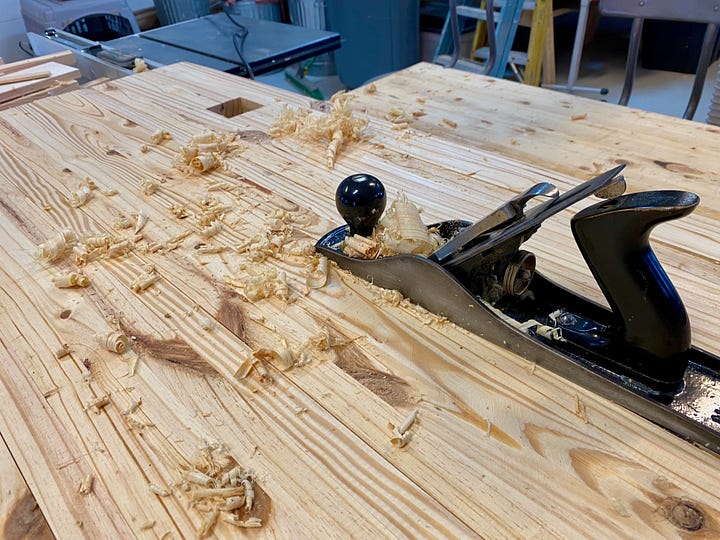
[[58, 73], [64, 57]]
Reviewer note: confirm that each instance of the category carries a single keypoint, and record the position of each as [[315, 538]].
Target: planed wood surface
[[499, 448], [573, 135]]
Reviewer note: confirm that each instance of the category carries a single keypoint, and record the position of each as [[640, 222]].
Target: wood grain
[[498, 449]]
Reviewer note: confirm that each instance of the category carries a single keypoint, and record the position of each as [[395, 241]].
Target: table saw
[[206, 41]]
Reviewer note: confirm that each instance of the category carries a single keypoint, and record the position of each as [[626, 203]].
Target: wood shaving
[[318, 273], [55, 247], [219, 486], [580, 411], [140, 65], [401, 230], [211, 230], [141, 219], [361, 247], [336, 127], [116, 341], [122, 222], [86, 485], [283, 356], [149, 186], [245, 368], [98, 404], [262, 281], [71, 279], [179, 211], [400, 434], [205, 152], [118, 249], [132, 407], [370, 88], [159, 491], [576, 117], [145, 280], [80, 196], [159, 136], [63, 351]]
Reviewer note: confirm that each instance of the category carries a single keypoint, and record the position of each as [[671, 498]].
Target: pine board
[[498, 449]]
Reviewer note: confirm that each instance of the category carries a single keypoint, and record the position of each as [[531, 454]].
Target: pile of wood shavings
[[221, 490], [400, 230], [206, 152], [335, 127]]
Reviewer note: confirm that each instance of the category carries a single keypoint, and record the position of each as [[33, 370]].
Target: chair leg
[[631, 65], [711, 34]]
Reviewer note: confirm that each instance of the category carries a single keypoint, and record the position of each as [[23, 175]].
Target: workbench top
[[500, 447]]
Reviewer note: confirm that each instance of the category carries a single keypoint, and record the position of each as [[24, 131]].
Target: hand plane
[[638, 353]]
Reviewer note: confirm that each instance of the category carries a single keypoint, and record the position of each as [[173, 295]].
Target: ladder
[[506, 23]]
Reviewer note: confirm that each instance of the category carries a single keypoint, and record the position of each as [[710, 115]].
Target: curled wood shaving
[[116, 341], [160, 136], [335, 127], [140, 65], [261, 281], [141, 219], [159, 491], [318, 274], [145, 280], [55, 247], [400, 434], [80, 196], [71, 279], [205, 152], [218, 486], [149, 186]]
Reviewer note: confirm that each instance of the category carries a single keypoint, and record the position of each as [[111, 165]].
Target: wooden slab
[[57, 73], [500, 448]]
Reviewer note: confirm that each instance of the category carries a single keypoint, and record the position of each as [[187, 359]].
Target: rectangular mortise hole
[[234, 107]]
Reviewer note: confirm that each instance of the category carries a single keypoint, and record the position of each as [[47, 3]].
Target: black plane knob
[[651, 320], [361, 199]]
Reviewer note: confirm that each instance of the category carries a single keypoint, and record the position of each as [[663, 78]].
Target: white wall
[[12, 30]]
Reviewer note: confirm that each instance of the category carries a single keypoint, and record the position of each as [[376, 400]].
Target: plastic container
[[175, 11], [378, 37], [40, 15], [100, 27]]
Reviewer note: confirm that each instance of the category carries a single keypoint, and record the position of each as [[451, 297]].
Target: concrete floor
[[603, 66]]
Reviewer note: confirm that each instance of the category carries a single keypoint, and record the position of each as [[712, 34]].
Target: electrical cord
[[23, 49], [238, 39]]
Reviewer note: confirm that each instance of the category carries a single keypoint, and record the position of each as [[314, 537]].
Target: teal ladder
[[506, 24]]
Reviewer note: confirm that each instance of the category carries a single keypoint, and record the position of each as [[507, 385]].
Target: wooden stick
[[10, 79], [64, 57]]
